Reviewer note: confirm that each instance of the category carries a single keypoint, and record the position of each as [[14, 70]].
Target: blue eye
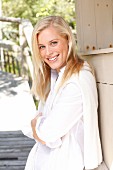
[[54, 43], [41, 47]]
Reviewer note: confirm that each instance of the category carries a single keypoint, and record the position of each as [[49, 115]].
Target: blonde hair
[[41, 83]]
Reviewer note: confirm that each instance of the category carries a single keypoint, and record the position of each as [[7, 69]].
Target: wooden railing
[[10, 63], [17, 58]]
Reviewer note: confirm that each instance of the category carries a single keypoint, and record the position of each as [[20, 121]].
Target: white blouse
[[62, 128]]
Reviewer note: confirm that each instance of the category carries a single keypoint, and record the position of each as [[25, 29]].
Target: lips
[[53, 58]]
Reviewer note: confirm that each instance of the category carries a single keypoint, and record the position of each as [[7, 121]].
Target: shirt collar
[[55, 75]]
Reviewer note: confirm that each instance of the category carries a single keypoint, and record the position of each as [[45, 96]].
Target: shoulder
[[83, 75], [77, 80], [82, 81], [86, 73]]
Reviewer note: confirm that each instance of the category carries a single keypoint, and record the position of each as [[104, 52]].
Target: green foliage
[[36, 9]]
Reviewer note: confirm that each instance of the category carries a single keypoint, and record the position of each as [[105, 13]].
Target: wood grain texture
[[14, 150]]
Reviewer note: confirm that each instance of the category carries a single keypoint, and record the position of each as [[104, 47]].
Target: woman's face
[[53, 48]]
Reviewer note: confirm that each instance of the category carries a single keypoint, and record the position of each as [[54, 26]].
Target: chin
[[54, 67]]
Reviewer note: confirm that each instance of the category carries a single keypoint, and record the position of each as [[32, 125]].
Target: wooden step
[[14, 150]]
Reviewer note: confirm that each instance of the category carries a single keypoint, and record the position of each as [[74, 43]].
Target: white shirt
[[62, 128]]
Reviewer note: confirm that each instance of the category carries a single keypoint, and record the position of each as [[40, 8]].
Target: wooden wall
[[94, 24], [94, 20], [103, 66]]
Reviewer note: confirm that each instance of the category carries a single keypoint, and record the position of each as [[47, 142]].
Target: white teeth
[[51, 59]]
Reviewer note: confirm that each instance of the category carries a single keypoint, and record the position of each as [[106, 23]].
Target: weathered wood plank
[[12, 163], [15, 139], [12, 133], [12, 168], [18, 155], [10, 143], [19, 147], [14, 150]]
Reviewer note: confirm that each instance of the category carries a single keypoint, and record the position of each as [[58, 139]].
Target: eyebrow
[[40, 44], [50, 41]]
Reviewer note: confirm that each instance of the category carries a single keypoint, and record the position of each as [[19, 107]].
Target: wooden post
[[28, 28], [1, 49], [22, 39]]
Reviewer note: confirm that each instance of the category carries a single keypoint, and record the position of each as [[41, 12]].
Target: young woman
[[66, 125]]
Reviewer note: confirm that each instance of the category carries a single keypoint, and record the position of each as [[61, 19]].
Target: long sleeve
[[65, 112], [26, 129], [92, 145]]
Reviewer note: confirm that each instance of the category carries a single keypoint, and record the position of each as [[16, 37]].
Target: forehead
[[48, 34]]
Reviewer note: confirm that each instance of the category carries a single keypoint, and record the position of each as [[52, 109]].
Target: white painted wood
[[89, 28], [79, 24], [94, 25], [28, 29], [103, 64], [103, 15], [106, 120], [86, 30], [100, 51]]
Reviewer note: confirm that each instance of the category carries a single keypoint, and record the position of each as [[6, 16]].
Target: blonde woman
[[66, 125]]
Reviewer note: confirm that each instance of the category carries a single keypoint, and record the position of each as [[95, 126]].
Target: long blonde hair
[[41, 83]]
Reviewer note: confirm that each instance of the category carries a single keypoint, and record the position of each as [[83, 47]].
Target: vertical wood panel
[[106, 121], [79, 24], [89, 28], [102, 64], [94, 24], [86, 30], [103, 12]]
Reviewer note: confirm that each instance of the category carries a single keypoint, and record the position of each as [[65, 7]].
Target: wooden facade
[[95, 44], [94, 25]]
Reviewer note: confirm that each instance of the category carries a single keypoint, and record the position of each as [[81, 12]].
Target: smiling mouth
[[53, 58]]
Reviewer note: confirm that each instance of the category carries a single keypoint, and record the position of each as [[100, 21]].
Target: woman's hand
[[34, 121], [33, 126]]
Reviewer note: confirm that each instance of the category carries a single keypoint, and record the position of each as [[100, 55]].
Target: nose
[[48, 50]]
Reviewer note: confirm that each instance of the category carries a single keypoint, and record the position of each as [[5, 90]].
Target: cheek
[[65, 49], [42, 54], [65, 46]]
